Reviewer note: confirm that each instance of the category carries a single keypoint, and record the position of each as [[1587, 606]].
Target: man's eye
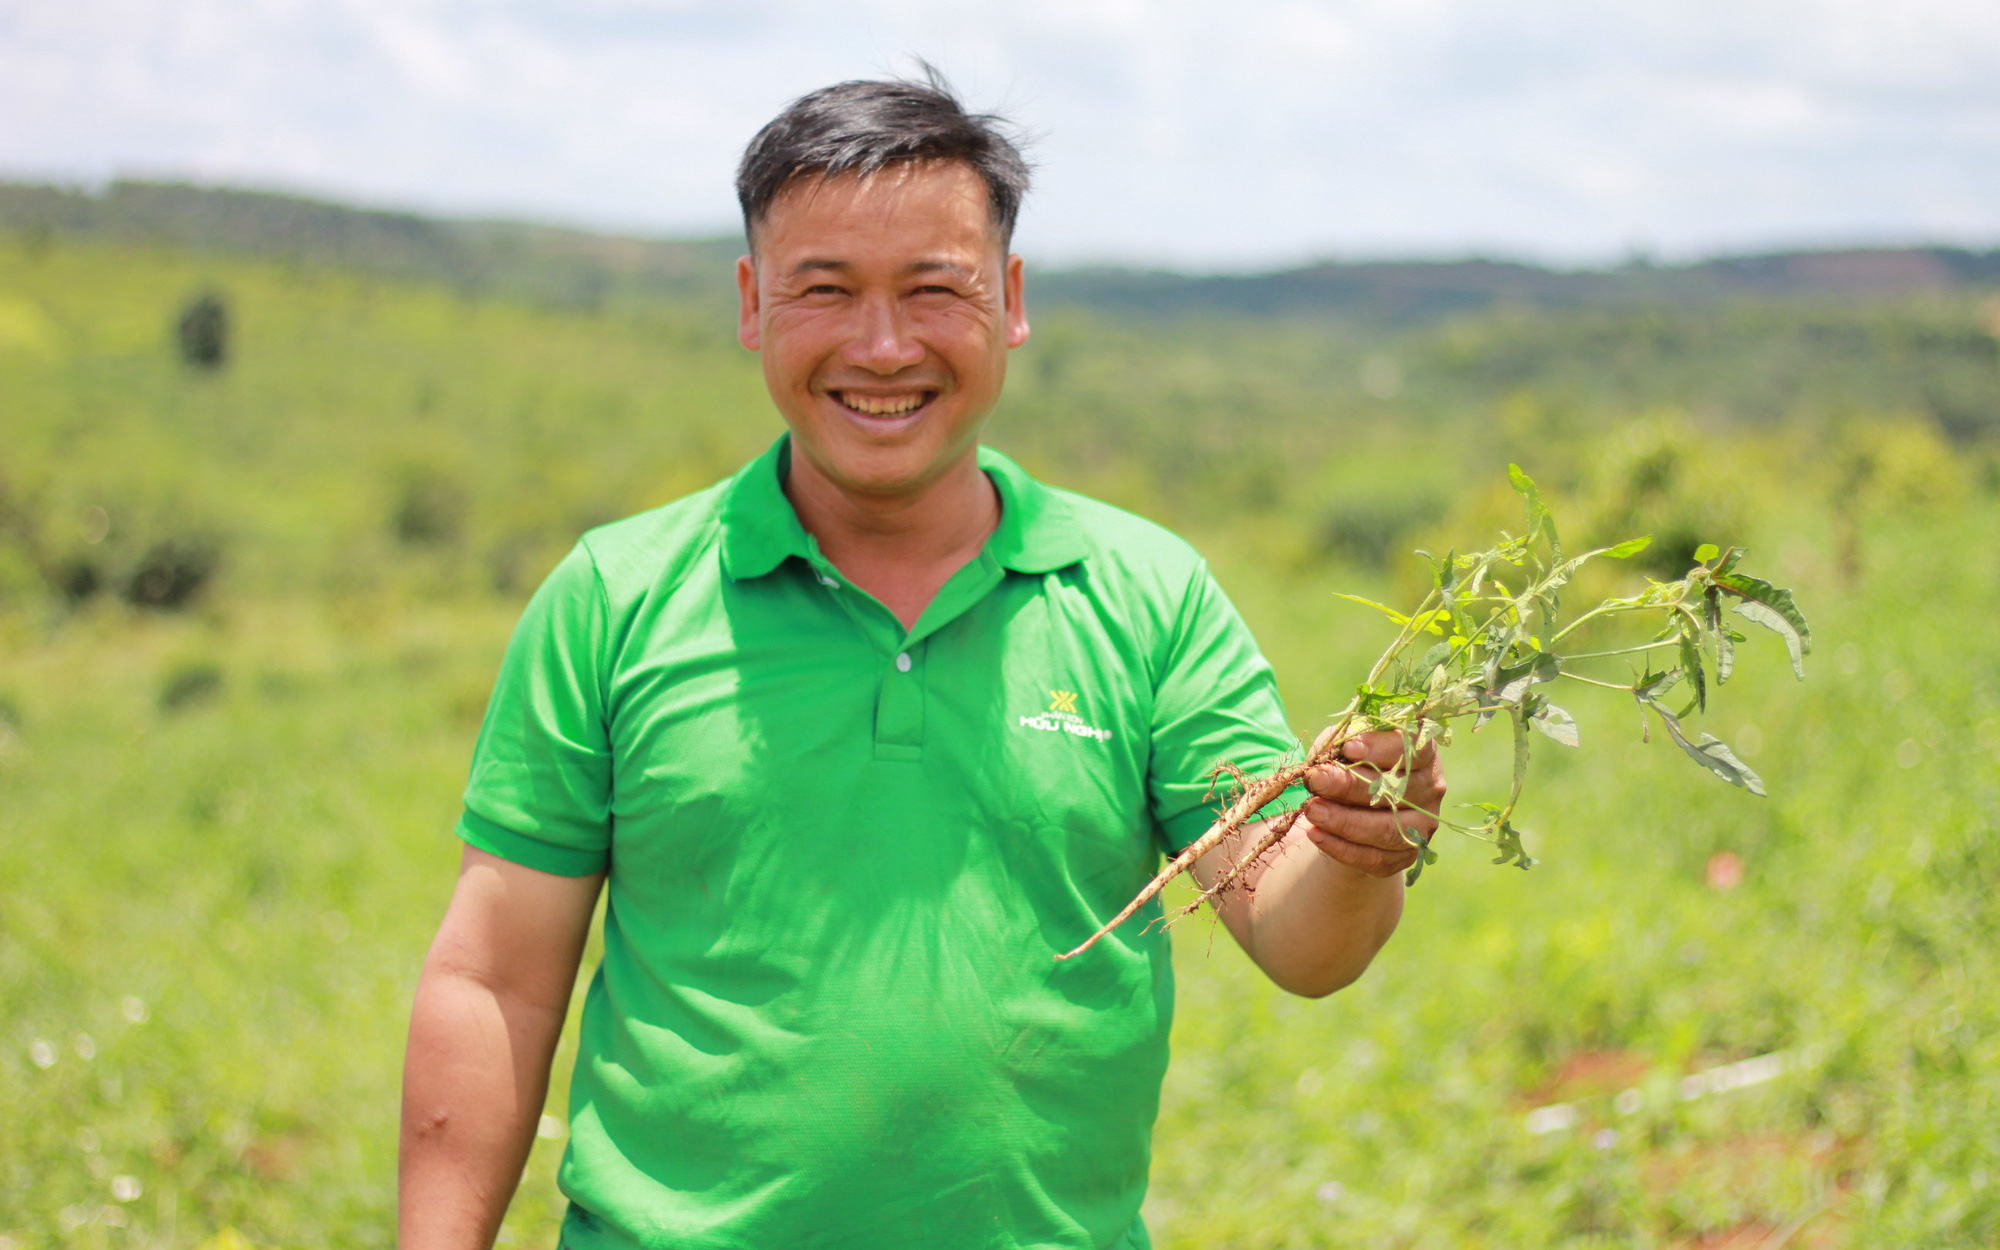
[[825, 288], [934, 290]]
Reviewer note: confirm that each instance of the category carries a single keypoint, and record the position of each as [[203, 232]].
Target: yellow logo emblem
[[1061, 718]]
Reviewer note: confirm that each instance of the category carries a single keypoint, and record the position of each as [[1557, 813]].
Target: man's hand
[[1313, 922], [1367, 835]]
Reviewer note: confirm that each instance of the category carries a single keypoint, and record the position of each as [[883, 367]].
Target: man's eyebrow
[[939, 266]]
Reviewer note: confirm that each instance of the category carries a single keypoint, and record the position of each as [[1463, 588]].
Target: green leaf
[[1507, 840], [1718, 634], [1710, 752], [1508, 685], [1523, 483], [1388, 787], [1520, 756], [1480, 572], [1557, 724], [1653, 687], [1425, 855], [1691, 663], [1383, 608], [1539, 520], [1773, 608], [1445, 571], [1714, 754], [1433, 621], [1630, 547], [1707, 552]]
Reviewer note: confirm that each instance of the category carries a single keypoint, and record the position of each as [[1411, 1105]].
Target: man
[[857, 741]]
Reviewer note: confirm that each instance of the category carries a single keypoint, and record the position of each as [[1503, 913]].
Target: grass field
[[224, 831]]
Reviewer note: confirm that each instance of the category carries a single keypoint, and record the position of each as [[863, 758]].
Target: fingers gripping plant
[[1489, 640]]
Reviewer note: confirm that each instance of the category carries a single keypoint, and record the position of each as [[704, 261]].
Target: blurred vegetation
[[249, 617], [546, 265], [204, 331]]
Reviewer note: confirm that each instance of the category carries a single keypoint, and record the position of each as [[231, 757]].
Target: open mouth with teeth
[[884, 405]]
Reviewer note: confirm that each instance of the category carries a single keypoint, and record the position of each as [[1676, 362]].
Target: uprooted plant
[[1491, 651]]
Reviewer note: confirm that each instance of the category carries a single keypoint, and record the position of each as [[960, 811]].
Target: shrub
[[78, 579], [202, 331], [1658, 479], [190, 684], [1369, 531], [172, 573], [431, 512]]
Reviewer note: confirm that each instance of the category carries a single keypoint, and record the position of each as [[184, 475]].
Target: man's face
[[884, 309]]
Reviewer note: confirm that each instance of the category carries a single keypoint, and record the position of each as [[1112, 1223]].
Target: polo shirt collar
[[759, 528], [1037, 533]]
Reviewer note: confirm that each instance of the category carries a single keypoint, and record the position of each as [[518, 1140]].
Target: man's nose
[[883, 340]]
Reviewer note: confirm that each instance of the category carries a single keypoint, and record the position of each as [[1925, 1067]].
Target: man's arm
[[1315, 911], [489, 1009]]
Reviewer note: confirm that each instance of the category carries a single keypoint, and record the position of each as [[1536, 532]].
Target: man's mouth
[[896, 405]]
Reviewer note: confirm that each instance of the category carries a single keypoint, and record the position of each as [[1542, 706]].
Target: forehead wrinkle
[[914, 267]]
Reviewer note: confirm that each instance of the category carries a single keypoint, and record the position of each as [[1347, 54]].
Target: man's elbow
[[1320, 982], [1317, 971]]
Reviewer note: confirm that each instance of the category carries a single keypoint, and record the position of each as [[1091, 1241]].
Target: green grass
[[224, 834]]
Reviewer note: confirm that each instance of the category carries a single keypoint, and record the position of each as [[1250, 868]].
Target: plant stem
[[1599, 655], [1608, 685], [1602, 609]]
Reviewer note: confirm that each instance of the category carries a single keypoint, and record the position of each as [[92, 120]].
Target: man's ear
[[1017, 312], [749, 331]]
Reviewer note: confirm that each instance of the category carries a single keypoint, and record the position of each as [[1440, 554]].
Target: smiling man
[[854, 743]]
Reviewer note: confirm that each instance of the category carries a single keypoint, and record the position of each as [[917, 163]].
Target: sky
[[1205, 136]]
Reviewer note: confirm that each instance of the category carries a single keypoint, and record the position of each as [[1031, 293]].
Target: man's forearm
[[490, 1006], [474, 1079], [1312, 924]]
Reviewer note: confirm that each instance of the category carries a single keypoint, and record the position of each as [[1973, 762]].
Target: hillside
[[1402, 292], [575, 268], [549, 264]]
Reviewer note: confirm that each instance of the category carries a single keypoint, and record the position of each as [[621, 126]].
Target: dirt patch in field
[[277, 1158], [1590, 1074]]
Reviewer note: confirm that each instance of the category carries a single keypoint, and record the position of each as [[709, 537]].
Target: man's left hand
[[1366, 834]]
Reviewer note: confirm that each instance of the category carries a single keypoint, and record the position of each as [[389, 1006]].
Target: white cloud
[[1262, 131]]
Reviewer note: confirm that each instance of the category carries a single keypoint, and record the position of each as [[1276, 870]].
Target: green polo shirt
[[841, 856]]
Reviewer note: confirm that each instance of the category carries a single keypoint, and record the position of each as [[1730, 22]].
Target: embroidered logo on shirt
[[1062, 718]]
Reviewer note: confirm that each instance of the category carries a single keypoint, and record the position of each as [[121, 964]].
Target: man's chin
[[870, 469]]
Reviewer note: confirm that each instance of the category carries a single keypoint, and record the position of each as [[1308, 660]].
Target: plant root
[[1255, 795]]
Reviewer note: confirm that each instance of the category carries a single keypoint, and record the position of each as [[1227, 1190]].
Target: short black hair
[[864, 126]]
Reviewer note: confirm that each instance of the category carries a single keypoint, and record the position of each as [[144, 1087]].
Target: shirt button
[[903, 662], [824, 580]]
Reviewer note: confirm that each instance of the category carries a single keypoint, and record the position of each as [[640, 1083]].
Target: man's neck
[[900, 547]]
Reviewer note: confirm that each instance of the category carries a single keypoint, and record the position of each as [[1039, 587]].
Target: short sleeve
[[540, 789], [1216, 702]]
